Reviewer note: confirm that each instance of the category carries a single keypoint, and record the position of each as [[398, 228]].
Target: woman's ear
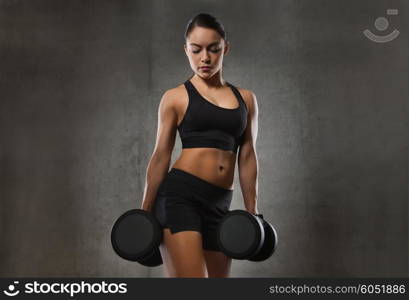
[[226, 48]]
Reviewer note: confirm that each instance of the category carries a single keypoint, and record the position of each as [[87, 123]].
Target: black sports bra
[[210, 126]]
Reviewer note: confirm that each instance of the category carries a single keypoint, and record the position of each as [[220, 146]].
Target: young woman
[[217, 123]]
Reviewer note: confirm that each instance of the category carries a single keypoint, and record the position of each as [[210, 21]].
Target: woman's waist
[[213, 156], [214, 168]]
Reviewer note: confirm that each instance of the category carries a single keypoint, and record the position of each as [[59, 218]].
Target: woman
[[215, 120]]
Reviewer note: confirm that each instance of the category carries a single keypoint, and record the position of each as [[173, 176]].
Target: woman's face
[[205, 47]]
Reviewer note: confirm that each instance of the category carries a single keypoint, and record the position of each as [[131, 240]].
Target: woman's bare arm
[[158, 165], [247, 157]]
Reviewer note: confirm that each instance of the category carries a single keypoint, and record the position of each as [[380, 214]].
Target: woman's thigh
[[182, 254], [217, 264]]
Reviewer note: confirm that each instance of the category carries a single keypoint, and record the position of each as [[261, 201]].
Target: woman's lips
[[205, 68]]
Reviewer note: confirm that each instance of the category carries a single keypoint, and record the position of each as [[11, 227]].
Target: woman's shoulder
[[248, 96], [175, 92], [174, 96]]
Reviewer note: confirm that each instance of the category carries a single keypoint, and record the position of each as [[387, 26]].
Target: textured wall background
[[80, 84]]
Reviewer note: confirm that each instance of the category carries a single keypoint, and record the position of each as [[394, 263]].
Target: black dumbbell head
[[152, 259], [240, 234], [269, 244], [136, 236]]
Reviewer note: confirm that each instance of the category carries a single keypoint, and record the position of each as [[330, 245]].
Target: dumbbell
[[136, 236], [241, 235]]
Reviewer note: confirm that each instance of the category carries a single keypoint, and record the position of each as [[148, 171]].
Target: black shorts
[[187, 202]]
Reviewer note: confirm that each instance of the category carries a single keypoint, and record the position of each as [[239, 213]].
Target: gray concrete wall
[[80, 84]]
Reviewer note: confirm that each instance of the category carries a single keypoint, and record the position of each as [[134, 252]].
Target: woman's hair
[[205, 20]]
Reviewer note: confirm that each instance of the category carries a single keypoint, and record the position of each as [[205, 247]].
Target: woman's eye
[[213, 50]]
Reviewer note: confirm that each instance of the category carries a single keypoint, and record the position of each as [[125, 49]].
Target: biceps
[[250, 135], [166, 130], [249, 143], [249, 139]]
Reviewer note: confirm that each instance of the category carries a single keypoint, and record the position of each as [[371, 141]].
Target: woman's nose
[[205, 56]]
